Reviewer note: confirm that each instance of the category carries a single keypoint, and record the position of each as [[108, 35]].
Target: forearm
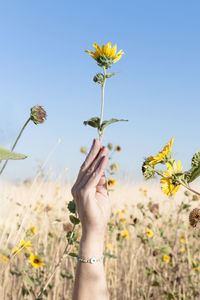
[[90, 282]]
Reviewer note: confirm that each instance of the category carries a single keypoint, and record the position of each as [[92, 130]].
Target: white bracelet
[[90, 260]]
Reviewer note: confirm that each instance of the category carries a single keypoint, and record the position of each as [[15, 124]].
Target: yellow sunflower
[[149, 233], [105, 55], [161, 155], [3, 258], [125, 234], [33, 229], [166, 258], [25, 244], [111, 182], [168, 187], [35, 261]]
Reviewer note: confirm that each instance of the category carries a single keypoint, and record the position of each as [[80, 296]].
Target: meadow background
[[43, 62]]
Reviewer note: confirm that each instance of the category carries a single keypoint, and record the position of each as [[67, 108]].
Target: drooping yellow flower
[[35, 261], [105, 55], [4, 258], [149, 233], [166, 258], [161, 155], [168, 186], [111, 182], [24, 244], [182, 239], [125, 234], [17, 250], [33, 229]]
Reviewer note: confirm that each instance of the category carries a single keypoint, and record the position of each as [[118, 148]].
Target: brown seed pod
[[194, 217]]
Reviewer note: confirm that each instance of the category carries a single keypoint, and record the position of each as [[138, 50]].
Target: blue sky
[[42, 61]]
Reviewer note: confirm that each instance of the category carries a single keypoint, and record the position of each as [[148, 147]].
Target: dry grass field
[[151, 252]]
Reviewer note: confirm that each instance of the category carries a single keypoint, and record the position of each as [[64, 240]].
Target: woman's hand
[[90, 192]]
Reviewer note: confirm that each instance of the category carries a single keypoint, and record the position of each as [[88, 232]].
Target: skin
[[93, 206]]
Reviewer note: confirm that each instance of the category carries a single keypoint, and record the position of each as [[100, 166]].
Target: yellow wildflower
[[17, 250], [105, 55], [119, 212], [182, 239], [109, 246], [149, 233], [24, 244], [196, 266], [182, 249], [168, 186], [125, 234], [111, 182], [123, 220], [33, 229], [161, 155], [166, 258], [4, 258], [35, 261]]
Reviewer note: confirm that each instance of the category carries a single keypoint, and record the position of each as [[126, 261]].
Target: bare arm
[[90, 195]]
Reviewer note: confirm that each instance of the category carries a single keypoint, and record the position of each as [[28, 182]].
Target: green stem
[[15, 143], [102, 104]]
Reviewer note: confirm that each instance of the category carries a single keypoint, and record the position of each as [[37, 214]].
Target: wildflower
[[119, 212], [123, 220], [166, 258], [162, 155], [182, 239], [182, 249], [111, 182], [83, 150], [125, 234], [147, 169], [38, 114], [35, 261], [33, 229], [118, 148], [149, 233], [169, 185], [109, 246], [24, 244], [196, 267], [17, 250], [194, 217], [4, 258], [105, 56]]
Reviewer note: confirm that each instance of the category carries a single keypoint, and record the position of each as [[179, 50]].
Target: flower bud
[[110, 146], [83, 149], [38, 114], [196, 159], [99, 78], [148, 170], [194, 217]]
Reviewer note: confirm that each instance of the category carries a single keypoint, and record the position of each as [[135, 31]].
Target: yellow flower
[[4, 258], [123, 220], [33, 229], [196, 266], [161, 155], [109, 246], [168, 186], [149, 233], [125, 234], [105, 55], [166, 258], [119, 212], [17, 250], [24, 244], [36, 261], [182, 239], [145, 192], [181, 250], [111, 182]]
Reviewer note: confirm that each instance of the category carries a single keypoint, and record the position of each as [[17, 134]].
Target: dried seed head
[[38, 114], [67, 227], [194, 217], [156, 252], [118, 148]]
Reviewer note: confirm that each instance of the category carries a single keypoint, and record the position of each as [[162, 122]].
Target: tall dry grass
[[134, 263]]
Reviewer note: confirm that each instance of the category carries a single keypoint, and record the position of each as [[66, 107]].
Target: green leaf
[[6, 154], [29, 280], [111, 74], [72, 254], [111, 121], [72, 206], [93, 122], [74, 220]]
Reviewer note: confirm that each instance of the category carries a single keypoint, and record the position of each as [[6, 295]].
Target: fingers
[[95, 148], [97, 174]]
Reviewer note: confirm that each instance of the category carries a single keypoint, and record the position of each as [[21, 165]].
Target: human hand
[[90, 191]]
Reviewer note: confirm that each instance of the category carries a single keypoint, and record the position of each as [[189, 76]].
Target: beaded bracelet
[[90, 260]]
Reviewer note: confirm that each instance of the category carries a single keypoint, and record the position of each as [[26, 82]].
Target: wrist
[[91, 245]]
